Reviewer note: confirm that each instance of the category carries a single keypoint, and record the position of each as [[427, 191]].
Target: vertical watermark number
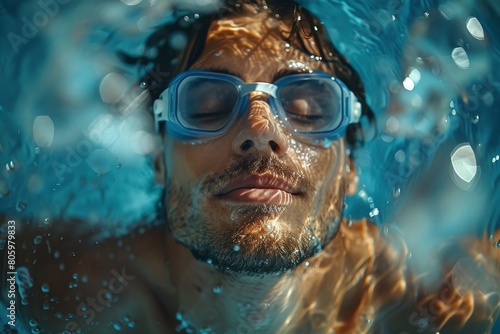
[[11, 272]]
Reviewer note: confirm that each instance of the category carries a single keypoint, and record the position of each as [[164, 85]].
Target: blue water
[[65, 152]]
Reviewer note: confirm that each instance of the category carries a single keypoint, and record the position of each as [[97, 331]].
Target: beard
[[250, 239]]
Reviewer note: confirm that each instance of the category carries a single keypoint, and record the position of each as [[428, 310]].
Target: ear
[[351, 177], [159, 165]]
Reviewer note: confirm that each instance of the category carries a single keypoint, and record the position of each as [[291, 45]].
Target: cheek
[[328, 174], [324, 166], [188, 163]]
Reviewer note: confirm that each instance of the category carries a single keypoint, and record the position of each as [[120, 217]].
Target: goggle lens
[[206, 103], [311, 105]]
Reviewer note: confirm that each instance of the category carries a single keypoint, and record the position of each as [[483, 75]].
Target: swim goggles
[[200, 104]]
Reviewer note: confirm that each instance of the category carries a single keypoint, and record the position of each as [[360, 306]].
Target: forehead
[[254, 47]]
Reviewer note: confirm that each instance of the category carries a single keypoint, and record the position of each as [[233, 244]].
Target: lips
[[259, 189]]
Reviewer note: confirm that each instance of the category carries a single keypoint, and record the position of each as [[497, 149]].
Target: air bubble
[[37, 240], [236, 248], [234, 216], [21, 206], [385, 230], [9, 166], [374, 212]]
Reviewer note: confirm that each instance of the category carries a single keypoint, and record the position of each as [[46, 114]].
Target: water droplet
[[37, 240], [209, 261], [45, 287], [118, 166], [234, 216], [9, 166], [24, 281], [236, 248], [475, 119], [307, 264], [33, 322], [217, 53], [314, 240], [374, 212], [385, 230], [497, 244], [396, 192], [21, 206], [217, 289], [117, 326]]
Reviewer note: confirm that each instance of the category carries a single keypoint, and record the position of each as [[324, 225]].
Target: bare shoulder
[[78, 284]]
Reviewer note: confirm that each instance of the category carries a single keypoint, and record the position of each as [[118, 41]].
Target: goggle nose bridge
[[262, 87]]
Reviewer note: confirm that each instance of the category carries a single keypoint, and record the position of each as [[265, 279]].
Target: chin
[[257, 240]]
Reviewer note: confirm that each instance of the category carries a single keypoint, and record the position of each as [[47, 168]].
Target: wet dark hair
[[176, 45]]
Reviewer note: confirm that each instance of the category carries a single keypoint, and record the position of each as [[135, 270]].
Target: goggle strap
[[160, 110], [356, 109]]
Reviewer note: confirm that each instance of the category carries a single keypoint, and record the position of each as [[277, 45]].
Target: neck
[[206, 297]]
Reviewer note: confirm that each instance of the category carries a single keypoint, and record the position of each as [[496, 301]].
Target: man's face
[[256, 199]]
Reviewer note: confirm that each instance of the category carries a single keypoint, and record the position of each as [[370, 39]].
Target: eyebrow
[[281, 73]]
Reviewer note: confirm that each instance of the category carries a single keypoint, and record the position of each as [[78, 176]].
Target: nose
[[261, 133]]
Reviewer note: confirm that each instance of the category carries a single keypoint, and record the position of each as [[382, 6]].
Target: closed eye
[[304, 118], [209, 116]]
